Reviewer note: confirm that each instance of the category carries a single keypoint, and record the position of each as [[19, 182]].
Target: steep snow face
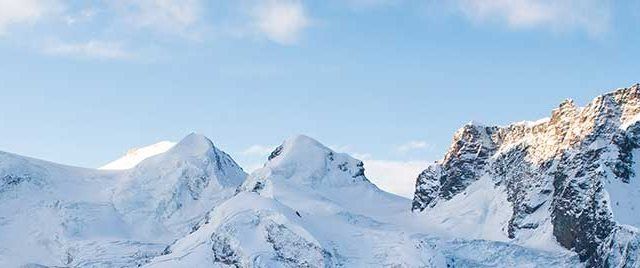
[[312, 207], [625, 196], [568, 179], [137, 155], [176, 187], [57, 215]]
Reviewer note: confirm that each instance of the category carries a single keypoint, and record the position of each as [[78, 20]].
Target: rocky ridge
[[555, 173]]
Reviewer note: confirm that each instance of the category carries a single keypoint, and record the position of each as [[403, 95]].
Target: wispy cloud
[[24, 11], [590, 15], [121, 20], [254, 156], [167, 16], [281, 21], [93, 49], [412, 145]]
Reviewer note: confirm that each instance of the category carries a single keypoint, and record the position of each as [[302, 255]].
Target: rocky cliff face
[[559, 175]]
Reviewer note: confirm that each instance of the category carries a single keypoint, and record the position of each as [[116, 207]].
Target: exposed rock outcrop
[[555, 172]]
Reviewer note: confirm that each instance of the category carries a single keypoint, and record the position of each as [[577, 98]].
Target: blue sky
[[386, 80]]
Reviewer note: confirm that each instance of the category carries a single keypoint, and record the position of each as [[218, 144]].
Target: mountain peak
[[305, 161], [304, 139], [178, 183], [193, 144], [296, 146], [567, 103]]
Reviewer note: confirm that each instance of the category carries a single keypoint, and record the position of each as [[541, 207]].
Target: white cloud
[[24, 11], [93, 49], [589, 15], [258, 150], [254, 156], [281, 21], [412, 145], [116, 19], [169, 16], [394, 176], [398, 177]]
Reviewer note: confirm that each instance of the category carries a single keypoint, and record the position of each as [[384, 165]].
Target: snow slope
[[193, 206], [137, 155], [57, 215], [312, 207]]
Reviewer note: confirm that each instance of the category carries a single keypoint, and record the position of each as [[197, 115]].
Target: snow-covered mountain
[[312, 207], [568, 180], [558, 192], [192, 206], [175, 188], [58, 215]]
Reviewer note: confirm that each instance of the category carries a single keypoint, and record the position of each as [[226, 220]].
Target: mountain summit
[[178, 185], [306, 161]]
